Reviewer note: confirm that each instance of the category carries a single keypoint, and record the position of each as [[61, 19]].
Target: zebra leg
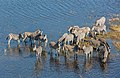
[[24, 39], [97, 54], [51, 53], [40, 54], [45, 44], [99, 32], [18, 42], [86, 34], [39, 42], [97, 48], [89, 55], [75, 56], [82, 40], [86, 55], [66, 53], [37, 54], [9, 41], [58, 53], [72, 42], [104, 31], [34, 41]]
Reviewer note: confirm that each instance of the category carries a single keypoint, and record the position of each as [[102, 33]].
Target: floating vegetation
[[114, 19], [114, 24]]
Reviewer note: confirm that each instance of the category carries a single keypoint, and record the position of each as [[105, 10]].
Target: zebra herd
[[71, 41]]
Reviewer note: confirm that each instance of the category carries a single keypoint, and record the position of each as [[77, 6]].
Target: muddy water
[[53, 17]]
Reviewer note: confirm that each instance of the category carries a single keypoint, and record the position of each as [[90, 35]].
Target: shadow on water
[[12, 51], [73, 65], [24, 51], [104, 67], [38, 66], [88, 64], [78, 66], [64, 65]]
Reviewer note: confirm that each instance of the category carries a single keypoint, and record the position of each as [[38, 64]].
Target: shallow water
[[53, 17]]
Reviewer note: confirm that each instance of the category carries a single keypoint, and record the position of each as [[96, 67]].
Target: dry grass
[[117, 45], [115, 24], [115, 28], [115, 33]]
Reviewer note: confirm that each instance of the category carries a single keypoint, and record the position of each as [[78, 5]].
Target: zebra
[[99, 29], [15, 37], [31, 35], [100, 22], [38, 51], [88, 50]]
